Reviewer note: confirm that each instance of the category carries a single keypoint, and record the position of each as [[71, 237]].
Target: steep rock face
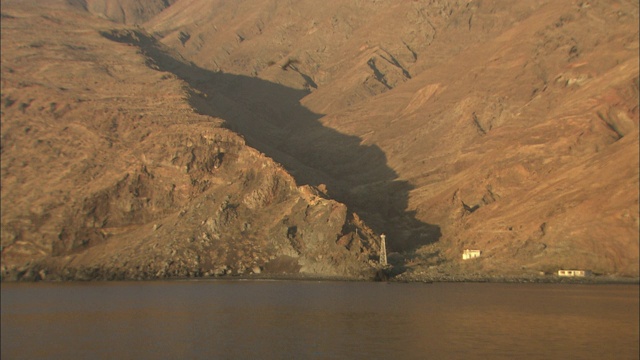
[[517, 155], [108, 173], [498, 125], [510, 127], [123, 11]]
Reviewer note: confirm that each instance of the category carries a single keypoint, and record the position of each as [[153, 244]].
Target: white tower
[[383, 250]]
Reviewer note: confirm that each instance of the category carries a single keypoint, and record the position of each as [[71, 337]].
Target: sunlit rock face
[[108, 172], [232, 135]]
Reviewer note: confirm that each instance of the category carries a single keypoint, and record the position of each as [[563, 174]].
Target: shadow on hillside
[[272, 120]]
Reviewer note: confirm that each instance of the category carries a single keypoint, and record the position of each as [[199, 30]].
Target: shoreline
[[388, 274], [518, 278], [399, 279]]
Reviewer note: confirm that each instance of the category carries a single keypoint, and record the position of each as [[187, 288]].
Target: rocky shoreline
[[376, 275], [546, 279]]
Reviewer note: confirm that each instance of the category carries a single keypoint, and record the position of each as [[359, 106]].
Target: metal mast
[[383, 250]]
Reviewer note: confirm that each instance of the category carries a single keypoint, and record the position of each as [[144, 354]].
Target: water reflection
[[275, 320]]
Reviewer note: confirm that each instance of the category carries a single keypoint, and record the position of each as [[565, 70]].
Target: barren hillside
[[108, 173], [510, 127], [123, 11]]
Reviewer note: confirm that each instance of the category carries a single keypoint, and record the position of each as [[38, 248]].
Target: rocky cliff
[[109, 173], [508, 127]]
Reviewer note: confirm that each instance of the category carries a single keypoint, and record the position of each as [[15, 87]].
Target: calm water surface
[[318, 320]]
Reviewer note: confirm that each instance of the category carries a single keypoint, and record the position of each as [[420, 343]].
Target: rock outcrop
[[108, 173]]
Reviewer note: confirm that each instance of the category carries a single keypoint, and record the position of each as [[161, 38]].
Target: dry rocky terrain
[[152, 139]]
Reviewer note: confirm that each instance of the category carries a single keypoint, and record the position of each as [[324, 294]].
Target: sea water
[[222, 319]]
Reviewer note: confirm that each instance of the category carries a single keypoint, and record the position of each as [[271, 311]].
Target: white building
[[574, 273], [470, 254]]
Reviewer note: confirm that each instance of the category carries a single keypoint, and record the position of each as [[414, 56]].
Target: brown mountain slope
[[107, 172], [511, 127], [123, 11]]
